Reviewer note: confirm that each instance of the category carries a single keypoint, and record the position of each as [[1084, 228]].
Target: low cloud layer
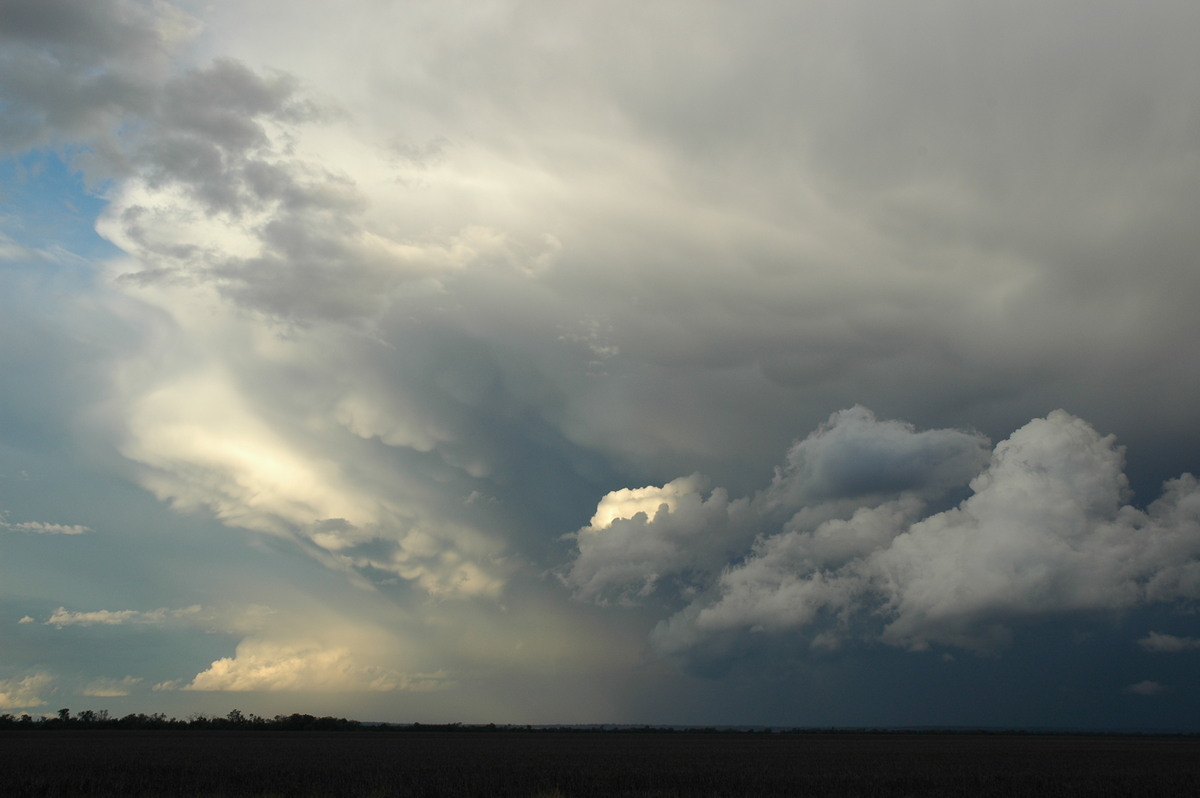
[[260, 666], [842, 544], [242, 619], [317, 651], [44, 528]]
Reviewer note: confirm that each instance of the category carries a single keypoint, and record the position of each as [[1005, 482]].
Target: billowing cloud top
[[842, 544]]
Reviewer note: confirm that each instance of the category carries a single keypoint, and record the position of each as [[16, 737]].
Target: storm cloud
[[478, 346]]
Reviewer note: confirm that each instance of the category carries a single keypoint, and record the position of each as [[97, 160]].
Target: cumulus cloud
[[1157, 641], [1045, 530], [856, 456], [684, 531], [639, 536], [25, 692], [270, 666]]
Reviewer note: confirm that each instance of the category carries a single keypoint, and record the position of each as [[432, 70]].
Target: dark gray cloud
[[74, 72]]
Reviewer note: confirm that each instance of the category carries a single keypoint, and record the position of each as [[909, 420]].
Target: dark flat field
[[533, 763]]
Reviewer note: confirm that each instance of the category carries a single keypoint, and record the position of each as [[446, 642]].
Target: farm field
[[568, 763]]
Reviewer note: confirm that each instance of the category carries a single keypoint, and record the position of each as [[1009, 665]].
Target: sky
[[775, 363]]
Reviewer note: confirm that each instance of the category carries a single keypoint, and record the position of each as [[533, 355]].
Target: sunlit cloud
[[260, 665], [26, 692]]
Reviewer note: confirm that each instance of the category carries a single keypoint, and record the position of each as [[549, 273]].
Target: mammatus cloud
[[1044, 531], [1156, 641], [25, 692]]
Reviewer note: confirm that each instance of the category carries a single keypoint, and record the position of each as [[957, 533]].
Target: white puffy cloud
[[25, 692], [789, 578]]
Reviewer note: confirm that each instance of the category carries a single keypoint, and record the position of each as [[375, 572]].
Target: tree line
[[234, 720]]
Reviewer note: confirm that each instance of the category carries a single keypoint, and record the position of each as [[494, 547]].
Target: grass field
[[529, 764]]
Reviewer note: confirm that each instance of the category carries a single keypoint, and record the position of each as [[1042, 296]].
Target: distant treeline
[[235, 720], [101, 719]]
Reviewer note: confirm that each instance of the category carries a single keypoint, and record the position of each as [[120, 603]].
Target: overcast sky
[[793, 363]]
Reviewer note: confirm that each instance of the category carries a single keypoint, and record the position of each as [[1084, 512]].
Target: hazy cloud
[[241, 620], [111, 688], [1146, 688], [1157, 641], [25, 692]]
